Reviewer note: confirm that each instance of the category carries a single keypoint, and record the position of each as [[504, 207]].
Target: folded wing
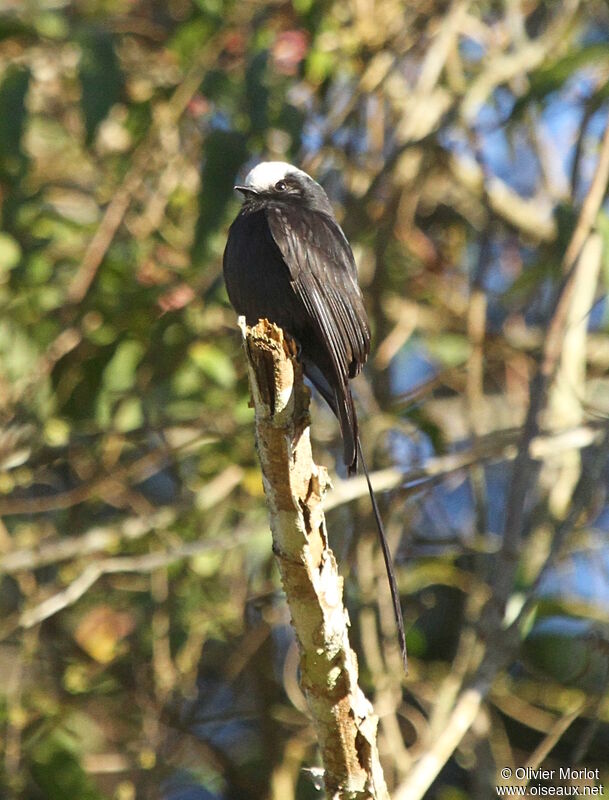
[[324, 277]]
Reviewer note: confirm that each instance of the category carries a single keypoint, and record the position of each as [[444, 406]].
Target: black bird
[[288, 260]]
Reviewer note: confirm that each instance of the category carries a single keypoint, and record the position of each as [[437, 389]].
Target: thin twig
[[500, 642], [144, 563], [137, 471], [524, 466]]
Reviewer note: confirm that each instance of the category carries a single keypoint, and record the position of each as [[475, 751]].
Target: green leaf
[[212, 7], [565, 649], [101, 79], [13, 91], [10, 253], [58, 772], [56, 432], [17, 351], [551, 77], [319, 65], [52, 25], [224, 153], [186, 41], [186, 380], [602, 226], [129, 416], [120, 372], [529, 280], [450, 349], [214, 363], [256, 93], [11, 26]]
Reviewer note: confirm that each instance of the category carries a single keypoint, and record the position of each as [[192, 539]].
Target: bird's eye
[[281, 186]]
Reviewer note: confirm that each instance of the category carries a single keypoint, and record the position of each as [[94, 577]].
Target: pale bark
[[294, 486]]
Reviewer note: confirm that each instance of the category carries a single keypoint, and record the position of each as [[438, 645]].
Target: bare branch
[[294, 486], [95, 540], [137, 471], [524, 466], [144, 563], [459, 722], [501, 642]]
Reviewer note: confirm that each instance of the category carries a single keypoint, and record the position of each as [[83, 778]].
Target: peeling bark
[[294, 486]]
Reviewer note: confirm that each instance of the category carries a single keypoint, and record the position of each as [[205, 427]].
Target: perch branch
[[294, 486]]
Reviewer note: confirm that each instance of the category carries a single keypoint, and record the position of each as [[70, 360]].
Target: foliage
[[145, 647]]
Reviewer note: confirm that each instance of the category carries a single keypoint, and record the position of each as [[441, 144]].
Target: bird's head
[[277, 181]]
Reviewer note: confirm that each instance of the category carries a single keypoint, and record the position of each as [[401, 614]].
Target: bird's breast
[[256, 276]]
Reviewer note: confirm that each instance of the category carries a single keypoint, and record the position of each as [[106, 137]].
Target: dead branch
[[294, 486]]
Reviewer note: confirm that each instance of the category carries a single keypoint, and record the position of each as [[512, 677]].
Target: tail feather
[[349, 429], [340, 401], [395, 595]]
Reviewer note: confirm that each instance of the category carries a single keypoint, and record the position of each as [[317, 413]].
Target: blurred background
[[145, 644]]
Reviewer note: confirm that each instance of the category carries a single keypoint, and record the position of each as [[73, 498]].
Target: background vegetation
[[145, 645]]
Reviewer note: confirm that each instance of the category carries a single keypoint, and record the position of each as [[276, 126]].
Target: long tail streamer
[[395, 596]]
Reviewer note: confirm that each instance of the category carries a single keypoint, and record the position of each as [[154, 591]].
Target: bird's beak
[[245, 190]]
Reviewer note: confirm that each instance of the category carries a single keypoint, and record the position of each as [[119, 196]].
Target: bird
[[288, 260]]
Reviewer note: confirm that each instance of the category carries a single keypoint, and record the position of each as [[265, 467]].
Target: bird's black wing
[[324, 276]]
